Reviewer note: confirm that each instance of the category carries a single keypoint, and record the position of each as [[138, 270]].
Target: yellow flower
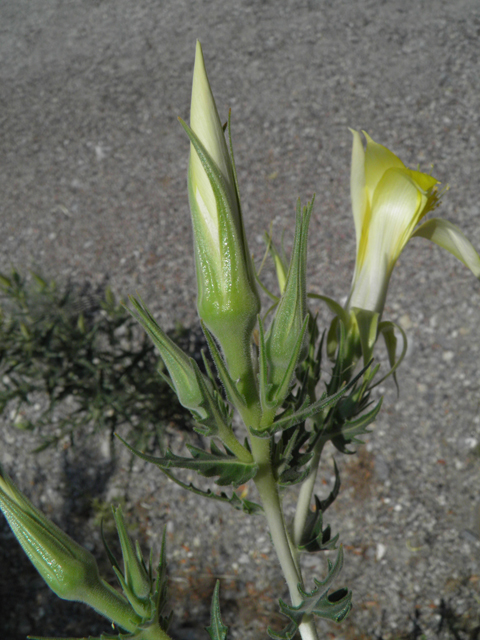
[[388, 202]]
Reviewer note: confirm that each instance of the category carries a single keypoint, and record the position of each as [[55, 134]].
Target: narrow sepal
[[216, 413], [235, 397], [282, 390], [287, 420], [387, 329], [217, 630], [265, 386]]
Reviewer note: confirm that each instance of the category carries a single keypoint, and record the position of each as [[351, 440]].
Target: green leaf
[[334, 606], [315, 537], [347, 432], [235, 501], [291, 454], [217, 630], [289, 419], [226, 466]]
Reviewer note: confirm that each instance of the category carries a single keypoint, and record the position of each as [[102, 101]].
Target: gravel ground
[[93, 188]]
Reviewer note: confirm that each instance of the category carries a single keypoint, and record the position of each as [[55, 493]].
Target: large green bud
[[68, 569], [228, 301]]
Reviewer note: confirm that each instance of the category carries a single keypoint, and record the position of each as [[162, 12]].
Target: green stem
[[305, 495], [110, 604], [268, 491]]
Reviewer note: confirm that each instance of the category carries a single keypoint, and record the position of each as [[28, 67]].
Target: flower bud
[[228, 302], [68, 569], [182, 370], [286, 337], [136, 582]]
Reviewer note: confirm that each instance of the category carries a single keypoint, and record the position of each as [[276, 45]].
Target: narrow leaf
[[217, 630]]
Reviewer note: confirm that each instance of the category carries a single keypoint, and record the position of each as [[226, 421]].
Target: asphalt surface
[[93, 188]]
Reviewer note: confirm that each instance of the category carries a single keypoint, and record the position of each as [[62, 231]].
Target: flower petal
[[449, 237], [378, 159], [396, 205], [204, 118], [357, 185]]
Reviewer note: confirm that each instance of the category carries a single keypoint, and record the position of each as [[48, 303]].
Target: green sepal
[[315, 537], [367, 322], [334, 306], [349, 431], [290, 419], [217, 417], [265, 386], [387, 329], [335, 606], [226, 466], [284, 349], [235, 501], [235, 397], [180, 367], [136, 580], [217, 630], [282, 389]]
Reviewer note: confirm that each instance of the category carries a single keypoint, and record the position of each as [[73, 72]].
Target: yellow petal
[[396, 206], [357, 185], [449, 237], [378, 159], [204, 119]]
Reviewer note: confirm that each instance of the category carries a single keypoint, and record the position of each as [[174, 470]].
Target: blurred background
[[93, 194]]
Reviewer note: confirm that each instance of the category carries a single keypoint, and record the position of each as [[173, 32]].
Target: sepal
[[181, 368], [285, 339], [217, 630]]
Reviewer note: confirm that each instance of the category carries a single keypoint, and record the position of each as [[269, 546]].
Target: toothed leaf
[[217, 630], [226, 466]]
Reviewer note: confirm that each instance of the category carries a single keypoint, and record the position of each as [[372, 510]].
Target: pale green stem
[[267, 489], [305, 495], [110, 604]]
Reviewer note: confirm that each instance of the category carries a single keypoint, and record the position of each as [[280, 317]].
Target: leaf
[[161, 587], [226, 466], [347, 433], [288, 419], [291, 454], [335, 606], [314, 537], [217, 630], [238, 503]]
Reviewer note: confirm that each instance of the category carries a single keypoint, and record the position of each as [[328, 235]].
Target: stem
[[110, 604], [267, 489], [305, 495]]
